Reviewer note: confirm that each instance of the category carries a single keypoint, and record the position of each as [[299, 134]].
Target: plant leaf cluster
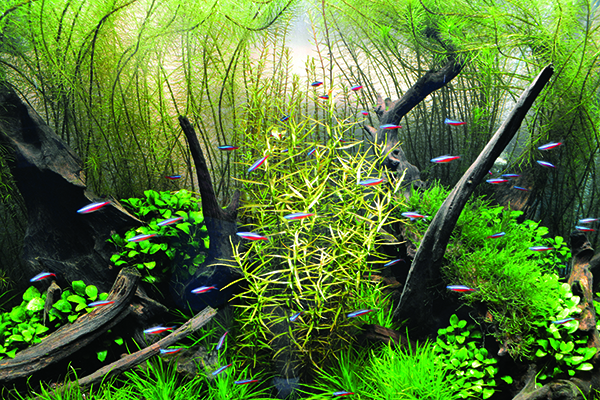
[[179, 248]]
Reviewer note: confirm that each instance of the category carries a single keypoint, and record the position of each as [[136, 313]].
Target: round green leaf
[[31, 293], [79, 287], [35, 304], [92, 292]]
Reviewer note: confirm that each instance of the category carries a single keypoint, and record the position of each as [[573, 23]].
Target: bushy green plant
[[518, 285], [186, 241], [459, 348], [24, 325], [561, 348], [317, 265]]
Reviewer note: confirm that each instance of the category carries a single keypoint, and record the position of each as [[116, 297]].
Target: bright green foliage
[[412, 373], [561, 348], [518, 285], [23, 326], [458, 347], [182, 244], [318, 265]]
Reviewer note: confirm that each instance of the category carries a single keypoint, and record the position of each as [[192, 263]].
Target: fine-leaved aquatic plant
[[459, 348], [182, 244], [317, 265], [518, 285]]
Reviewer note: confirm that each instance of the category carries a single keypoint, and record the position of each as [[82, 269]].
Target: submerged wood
[[73, 337], [420, 301], [138, 357], [218, 268], [50, 177]]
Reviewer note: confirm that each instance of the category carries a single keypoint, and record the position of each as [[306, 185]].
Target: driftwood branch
[[138, 357], [73, 337], [424, 277]]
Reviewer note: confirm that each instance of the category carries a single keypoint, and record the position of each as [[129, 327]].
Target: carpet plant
[[319, 265]]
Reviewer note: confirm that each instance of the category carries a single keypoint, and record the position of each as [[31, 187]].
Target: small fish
[[169, 221], [246, 381], [221, 341], [223, 368], [100, 303], [563, 321], [452, 122], [173, 177], [257, 164], [284, 118], [490, 173], [311, 152], [170, 351], [92, 207], [365, 113], [158, 329], [541, 248], [521, 188], [584, 229], [390, 126], [359, 313], [550, 146], [510, 175], [295, 316], [496, 181], [316, 84], [285, 150], [42, 275], [393, 262], [371, 182], [296, 216], [588, 220], [342, 393], [444, 159], [546, 164], [460, 288], [356, 87], [203, 289], [141, 238], [251, 236], [324, 97], [411, 215], [496, 235], [228, 147]]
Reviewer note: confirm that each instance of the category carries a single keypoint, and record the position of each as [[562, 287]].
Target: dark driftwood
[[51, 180], [221, 225], [73, 337], [433, 80], [424, 278], [138, 357]]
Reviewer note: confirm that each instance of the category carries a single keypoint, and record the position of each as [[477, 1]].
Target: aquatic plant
[[317, 265], [24, 325], [389, 373], [459, 348], [178, 246]]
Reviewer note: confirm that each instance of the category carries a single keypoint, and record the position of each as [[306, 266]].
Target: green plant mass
[[182, 241]]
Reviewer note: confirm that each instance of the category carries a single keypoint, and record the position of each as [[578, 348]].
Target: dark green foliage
[[185, 242]]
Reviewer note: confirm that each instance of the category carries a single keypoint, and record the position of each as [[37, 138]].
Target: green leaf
[[585, 367], [154, 248], [150, 265], [92, 292], [72, 318], [35, 304], [460, 339], [487, 393], [79, 287], [18, 314], [185, 227], [77, 299], [31, 293], [102, 355], [507, 379], [27, 336], [119, 341], [63, 305], [103, 296], [132, 253], [39, 329], [115, 257], [539, 353]]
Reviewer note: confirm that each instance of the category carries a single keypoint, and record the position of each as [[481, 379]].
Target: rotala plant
[[314, 263]]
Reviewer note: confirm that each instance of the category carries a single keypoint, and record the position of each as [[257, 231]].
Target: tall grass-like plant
[[318, 265]]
